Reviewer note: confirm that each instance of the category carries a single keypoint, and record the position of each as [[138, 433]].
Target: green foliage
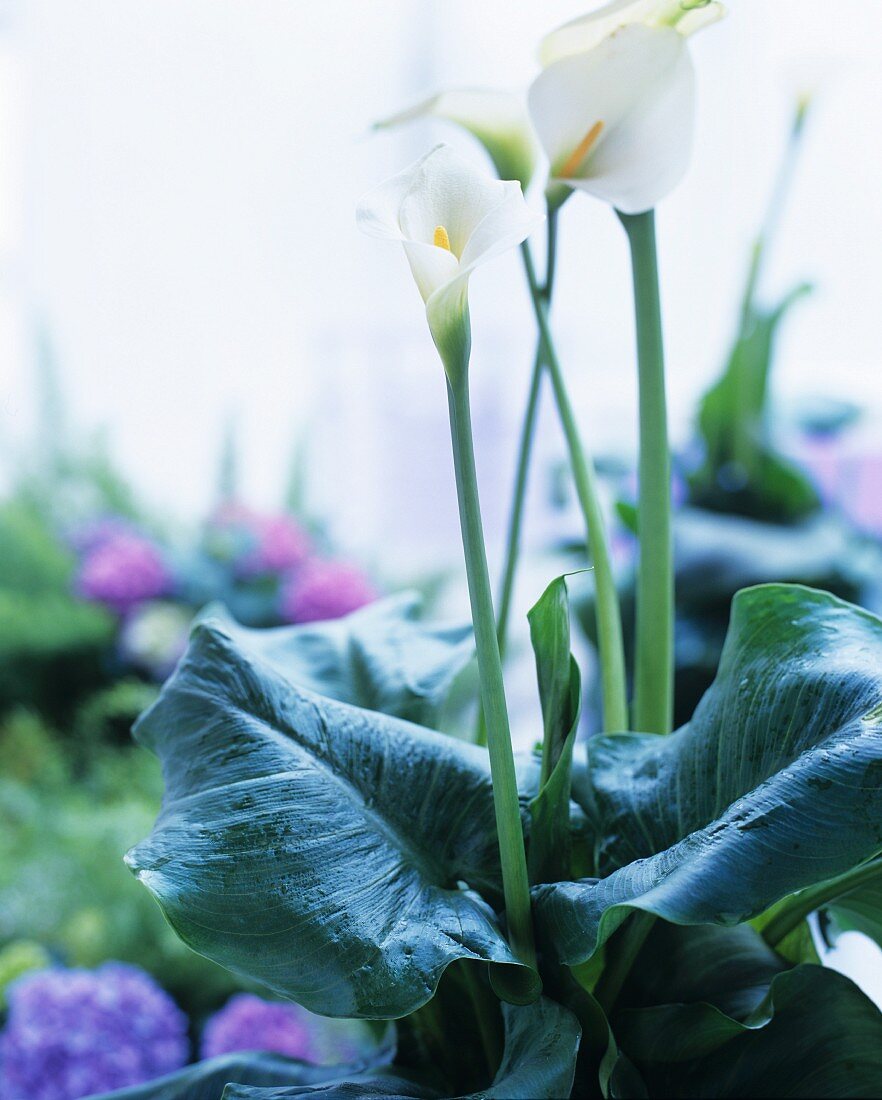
[[53, 646], [312, 845], [716, 1013], [347, 858], [775, 784], [381, 657], [560, 692], [62, 880], [742, 473], [540, 1045]]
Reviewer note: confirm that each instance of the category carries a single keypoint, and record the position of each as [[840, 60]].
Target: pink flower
[[247, 1022], [324, 590]]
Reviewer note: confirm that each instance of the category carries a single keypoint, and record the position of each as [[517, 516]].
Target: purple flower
[[122, 572], [247, 1022], [324, 590], [72, 1033], [87, 537]]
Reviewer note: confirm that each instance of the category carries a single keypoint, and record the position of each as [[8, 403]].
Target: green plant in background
[[61, 882], [742, 472], [626, 918], [53, 646]]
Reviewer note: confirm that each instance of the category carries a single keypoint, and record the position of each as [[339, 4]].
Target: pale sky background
[[177, 184], [177, 187]]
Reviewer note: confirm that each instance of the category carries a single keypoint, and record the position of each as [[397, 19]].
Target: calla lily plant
[[629, 914]]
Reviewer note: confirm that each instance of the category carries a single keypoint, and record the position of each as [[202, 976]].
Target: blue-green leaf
[[206, 1080], [724, 1017], [381, 657], [776, 783], [541, 1045], [332, 853]]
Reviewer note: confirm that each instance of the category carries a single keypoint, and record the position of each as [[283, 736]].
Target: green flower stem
[[654, 661], [505, 792], [609, 620], [807, 901], [525, 453]]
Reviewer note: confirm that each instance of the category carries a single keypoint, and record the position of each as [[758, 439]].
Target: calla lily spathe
[[584, 33], [450, 218], [497, 118], [617, 120]]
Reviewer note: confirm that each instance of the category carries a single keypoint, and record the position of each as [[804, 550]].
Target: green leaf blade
[[316, 847], [775, 785]]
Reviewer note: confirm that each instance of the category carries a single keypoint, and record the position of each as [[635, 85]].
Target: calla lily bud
[[617, 120], [498, 119], [450, 218], [584, 33]]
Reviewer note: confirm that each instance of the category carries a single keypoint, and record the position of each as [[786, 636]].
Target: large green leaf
[[381, 657], [541, 1044], [723, 1017], [206, 1080], [321, 849], [776, 783]]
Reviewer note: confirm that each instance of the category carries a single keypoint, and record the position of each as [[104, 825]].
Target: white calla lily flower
[[498, 119], [450, 218], [584, 33], [617, 120]]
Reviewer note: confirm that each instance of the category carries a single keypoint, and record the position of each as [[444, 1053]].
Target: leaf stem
[[807, 901], [627, 946], [654, 659], [505, 792], [609, 620]]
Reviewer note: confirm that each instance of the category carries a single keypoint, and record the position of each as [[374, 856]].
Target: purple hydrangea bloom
[[88, 536], [247, 1022], [324, 590], [123, 571], [73, 1033]]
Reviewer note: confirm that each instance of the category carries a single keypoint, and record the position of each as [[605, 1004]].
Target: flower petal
[[498, 119], [639, 82], [431, 266], [447, 190], [509, 223], [587, 31]]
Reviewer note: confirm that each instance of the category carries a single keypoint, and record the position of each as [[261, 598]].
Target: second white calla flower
[[584, 33], [450, 218], [617, 120], [497, 118]]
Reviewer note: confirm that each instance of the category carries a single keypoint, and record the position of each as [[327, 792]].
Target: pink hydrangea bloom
[[258, 544], [123, 571], [247, 1022], [281, 545], [324, 590]]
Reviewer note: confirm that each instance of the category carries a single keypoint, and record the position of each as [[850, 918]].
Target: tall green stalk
[[525, 452], [505, 793], [654, 658], [522, 470], [610, 646]]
